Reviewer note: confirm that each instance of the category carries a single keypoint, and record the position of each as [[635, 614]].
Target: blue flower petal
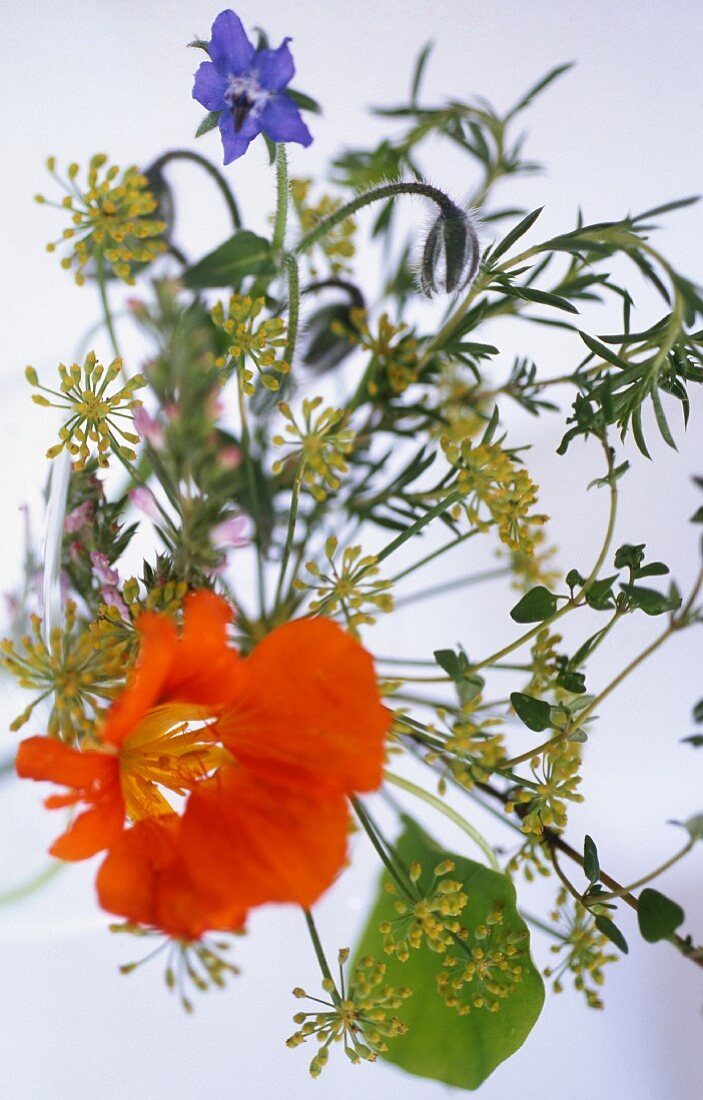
[[235, 142], [209, 87], [280, 120], [274, 68], [230, 49]]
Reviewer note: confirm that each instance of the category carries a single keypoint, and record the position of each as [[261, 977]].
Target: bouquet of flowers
[[288, 457]]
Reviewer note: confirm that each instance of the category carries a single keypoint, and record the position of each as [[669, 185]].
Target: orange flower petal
[[205, 665], [308, 712], [45, 758], [93, 830], [144, 880], [144, 688], [251, 842]]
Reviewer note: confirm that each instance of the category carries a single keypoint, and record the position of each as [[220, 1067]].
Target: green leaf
[[657, 915], [696, 740], [591, 865], [535, 713], [440, 1044], [243, 254], [694, 827], [208, 123], [515, 233], [543, 297], [606, 926], [305, 102], [535, 606], [649, 600], [419, 71], [535, 90]]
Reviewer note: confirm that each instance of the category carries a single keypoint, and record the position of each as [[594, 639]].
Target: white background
[[620, 132]]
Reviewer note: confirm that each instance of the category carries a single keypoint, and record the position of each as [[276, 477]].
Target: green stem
[[212, 171], [386, 191], [450, 586], [102, 289], [19, 893], [641, 881], [293, 306], [282, 196], [290, 534], [434, 554], [253, 493], [438, 804], [372, 833], [319, 951]]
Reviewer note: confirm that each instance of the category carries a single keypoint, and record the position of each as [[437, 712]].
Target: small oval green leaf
[[657, 915], [535, 606]]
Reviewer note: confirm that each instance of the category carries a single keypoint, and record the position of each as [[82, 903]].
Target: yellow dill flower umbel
[[319, 444], [94, 414], [110, 219], [251, 342], [353, 590], [361, 1016]]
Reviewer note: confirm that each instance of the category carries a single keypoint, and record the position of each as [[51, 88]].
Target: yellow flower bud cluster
[[432, 918], [496, 491], [557, 778], [248, 341], [353, 590], [338, 244], [394, 361], [76, 670], [318, 445], [94, 413], [584, 949], [110, 219], [198, 963], [483, 975], [361, 1017], [472, 745]]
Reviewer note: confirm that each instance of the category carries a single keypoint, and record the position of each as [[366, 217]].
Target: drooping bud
[[451, 254]]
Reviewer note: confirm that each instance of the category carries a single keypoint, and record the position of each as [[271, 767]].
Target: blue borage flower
[[246, 86]]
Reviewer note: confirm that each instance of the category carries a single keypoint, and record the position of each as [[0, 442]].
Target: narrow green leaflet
[[243, 254], [442, 1044], [591, 865], [657, 915]]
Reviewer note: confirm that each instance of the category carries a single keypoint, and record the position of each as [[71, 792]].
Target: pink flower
[[113, 598], [79, 517], [107, 577], [230, 458], [145, 501], [232, 533], [148, 428]]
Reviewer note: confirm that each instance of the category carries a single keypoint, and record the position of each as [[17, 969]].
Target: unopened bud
[[451, 253]]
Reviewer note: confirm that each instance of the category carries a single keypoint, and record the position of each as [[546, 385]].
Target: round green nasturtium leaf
[[657, 915], [461, 1050]]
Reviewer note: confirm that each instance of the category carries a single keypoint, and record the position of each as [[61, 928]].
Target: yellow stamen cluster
[[93, 413], [76, 670], [472, 746], [482, 976], [362, 1017], [585, 949], [533, 568], [532, 858], [431, 918], [352, 590], [465, 408], [111, 218], [556, 776], [198, 963], [248, 341], [393, 361], [543, 665], [319, 445], [491, 481], [338, 244]]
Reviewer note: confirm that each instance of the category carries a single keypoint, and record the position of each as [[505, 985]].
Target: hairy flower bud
[[451, 253]]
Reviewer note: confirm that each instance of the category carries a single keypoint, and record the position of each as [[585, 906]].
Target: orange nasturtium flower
[[263, 749]]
